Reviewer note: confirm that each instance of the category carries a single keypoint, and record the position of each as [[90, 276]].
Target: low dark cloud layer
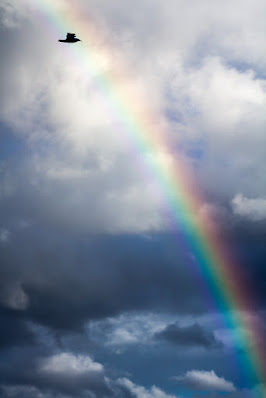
[[192, 335], [68, 281], [14, 329]]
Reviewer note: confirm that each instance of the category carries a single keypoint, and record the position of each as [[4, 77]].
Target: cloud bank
[[88, 258], [254, 209]]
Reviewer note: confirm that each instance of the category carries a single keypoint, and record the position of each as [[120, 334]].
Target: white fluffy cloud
[[206, 380], [142, 392], [69, 364], [128, 329], [254, 209], [197, 67]]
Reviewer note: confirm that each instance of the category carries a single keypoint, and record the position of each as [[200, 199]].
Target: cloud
[[206, 380], [142, 392], [253, 209], [4, 235], [82, 170], [63, 373], [23, 392], [68, 279], [15, 331], [11, 13], [122, 388], [12, 296], [192, 335], [127, 329], [69, 165], [67, 363], [71, 374], [122, 336], [86, 165]]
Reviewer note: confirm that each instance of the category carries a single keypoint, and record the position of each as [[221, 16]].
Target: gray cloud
[[66, 280], [254, 208], [14, 329], [192, 335], [142, 392], [206, 380]]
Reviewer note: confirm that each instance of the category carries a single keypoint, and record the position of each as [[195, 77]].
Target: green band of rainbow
[[147, 134]]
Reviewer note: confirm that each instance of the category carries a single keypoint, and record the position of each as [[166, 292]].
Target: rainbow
[[148, 135]]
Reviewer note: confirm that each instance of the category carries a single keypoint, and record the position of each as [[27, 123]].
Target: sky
[[101, 293]]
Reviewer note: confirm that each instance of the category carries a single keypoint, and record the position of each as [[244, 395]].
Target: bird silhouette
[[70, 38]]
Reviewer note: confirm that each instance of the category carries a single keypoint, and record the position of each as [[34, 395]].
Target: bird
[[70, 38]]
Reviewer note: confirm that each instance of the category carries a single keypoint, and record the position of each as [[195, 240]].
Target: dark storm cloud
[[14, 330], [192, 335], [247, 238], [68, 281], [69, 277]]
